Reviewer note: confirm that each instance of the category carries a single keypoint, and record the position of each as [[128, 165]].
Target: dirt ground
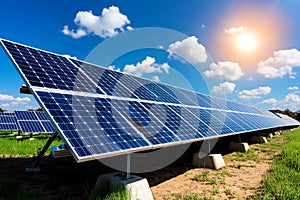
[[240, 179], [239, 183], [65, 179]]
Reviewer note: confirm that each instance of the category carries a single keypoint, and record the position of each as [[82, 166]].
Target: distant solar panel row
[[26, 121], [8, 121], [101, 113]]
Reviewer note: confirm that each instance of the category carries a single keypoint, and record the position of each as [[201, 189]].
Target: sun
[[246, 42]]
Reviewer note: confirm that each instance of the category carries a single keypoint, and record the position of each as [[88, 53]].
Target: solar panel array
[[30, 121], [101, 112], [26, 121], [8, 121]]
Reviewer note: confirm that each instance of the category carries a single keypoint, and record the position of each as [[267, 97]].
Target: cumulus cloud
[[293, 88], [147, 66], [70, 57], [19, 99], [108, 24], [291, 101], [280, 64], [234, 30], [269, 101], [112, 67], [254, 93], [227, 70], [5, 97], [155, 78], [224, 88], [292, 98], [14, 101], [188, 50]]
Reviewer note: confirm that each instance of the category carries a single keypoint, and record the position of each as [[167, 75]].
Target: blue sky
[[245, 51]]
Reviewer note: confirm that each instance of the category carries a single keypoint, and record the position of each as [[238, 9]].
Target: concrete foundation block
[[240, 147], [19, 137], [138, 187], [212, 161], [267, 135], [277, 133], [259, 139]]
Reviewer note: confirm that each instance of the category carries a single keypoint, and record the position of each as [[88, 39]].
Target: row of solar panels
[[101, 113], [47, 70], [26, 121]]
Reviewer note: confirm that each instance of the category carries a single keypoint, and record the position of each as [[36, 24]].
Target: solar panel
[[8, 121], [101, 112], [31, 121]]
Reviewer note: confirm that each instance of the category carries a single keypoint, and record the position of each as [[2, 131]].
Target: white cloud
[[234, 30], [19, 99], [5, 97], [224, 88], [108, 24], [112, 67], [291, 101], [280, 64], [129, 28], [269, 101], [293, 88], [147, 66], [188, 50], [254, 93], [227, 70], [292, 98], [13, 101], [155, 78], [74, 34], [70, 57]]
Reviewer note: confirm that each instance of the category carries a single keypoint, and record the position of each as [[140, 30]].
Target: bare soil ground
[[65, 179], [240, 179]]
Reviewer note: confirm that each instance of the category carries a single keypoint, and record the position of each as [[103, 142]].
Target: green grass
[[10, 147], [228, 192], [244, 156], [104, 192], [283, 181], [191, 196]]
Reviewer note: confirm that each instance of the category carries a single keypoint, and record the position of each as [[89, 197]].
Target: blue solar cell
[[31, 126], [25, 115], [47, 126], [8, 121], [31, 121]]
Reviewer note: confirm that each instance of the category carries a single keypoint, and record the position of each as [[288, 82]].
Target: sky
[[244, 51]]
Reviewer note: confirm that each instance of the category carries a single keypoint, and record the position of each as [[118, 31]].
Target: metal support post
[[34, 166]]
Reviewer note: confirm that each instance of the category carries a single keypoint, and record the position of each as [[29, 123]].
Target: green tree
[[2, 110]]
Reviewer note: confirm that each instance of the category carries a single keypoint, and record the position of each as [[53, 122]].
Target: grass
[[283, 180], [228, 192], [191, 196], [245, 156], [10, 147], [104, 192]]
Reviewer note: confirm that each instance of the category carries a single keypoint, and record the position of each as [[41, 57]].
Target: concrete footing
[[241, 147], [267, 135], [259, 139], [138, 187], [277, 133], [212, 161]]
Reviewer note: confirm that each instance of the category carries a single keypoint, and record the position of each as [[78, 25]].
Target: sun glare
[[246, 42]]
